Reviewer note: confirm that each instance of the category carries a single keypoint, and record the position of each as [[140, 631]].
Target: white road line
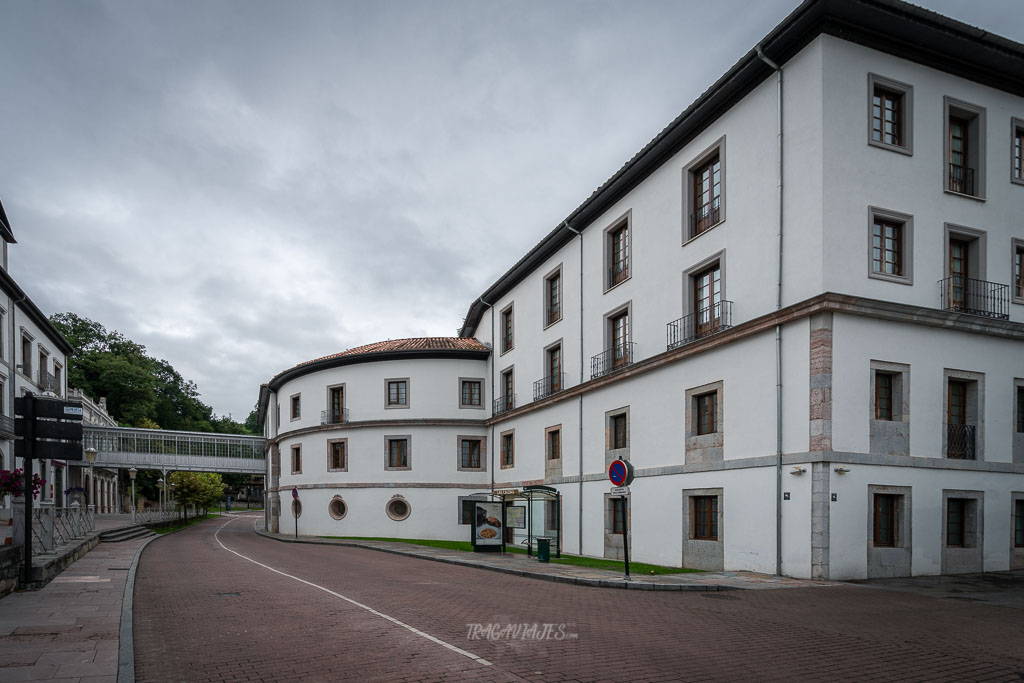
[[476, 658]]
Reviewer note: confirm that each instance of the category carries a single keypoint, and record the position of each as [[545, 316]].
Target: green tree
[[201, 489]]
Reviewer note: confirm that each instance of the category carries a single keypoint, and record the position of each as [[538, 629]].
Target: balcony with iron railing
[[702, 323], [503, 404], [611, 360], [960, 442], [961, 179], [618, 272], [6, 427], [705, 217], [548, 386], [48, 382], [960, 294], [334, 417]]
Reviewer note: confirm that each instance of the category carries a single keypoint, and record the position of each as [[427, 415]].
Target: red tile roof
[[414, 344]]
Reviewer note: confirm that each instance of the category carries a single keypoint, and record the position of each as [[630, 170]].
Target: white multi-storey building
[[798, 312], [33, 358]]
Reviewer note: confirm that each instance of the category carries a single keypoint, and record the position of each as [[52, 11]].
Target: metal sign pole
[[29, 438], [625, 532]]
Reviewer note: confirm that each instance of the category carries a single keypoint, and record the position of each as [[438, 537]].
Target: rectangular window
[[705, 518], [398, 392], [964, 151], [707, 420], [554, 444], [296, 406], [887, 247], [619, 437], [619, 328], [26, 356], [470, 454], [553, 298], [508, 454], [554, 369], [883, 396], [296, 459], [707, 299], [57, 378], [398, 453], [885, 520], [471, 392], [336, 455], [618, 250], [887, 116], [1020, 410], [957, 405], [707, 195], [1018, 272], [508, 389], [1018, 523], [336, 407], [43, 364], [1018, 152], [507, 335], [956, 513], [618, 515]]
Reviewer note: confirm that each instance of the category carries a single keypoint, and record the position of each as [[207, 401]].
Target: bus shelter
[[518, 517]]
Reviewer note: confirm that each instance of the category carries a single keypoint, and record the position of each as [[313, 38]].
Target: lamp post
[[90, 457], [160, 496], [131, 473], [173, 506]]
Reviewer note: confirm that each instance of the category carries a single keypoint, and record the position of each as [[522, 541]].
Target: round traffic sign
[[295, 493], [620, 473]]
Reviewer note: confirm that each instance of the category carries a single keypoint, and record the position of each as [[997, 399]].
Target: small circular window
[[296, 508], [398, 509], [337, 508]]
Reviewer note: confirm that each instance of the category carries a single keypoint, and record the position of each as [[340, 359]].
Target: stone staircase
[[125, 534]]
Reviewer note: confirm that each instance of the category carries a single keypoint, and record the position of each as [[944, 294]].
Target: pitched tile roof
[[413, 344]]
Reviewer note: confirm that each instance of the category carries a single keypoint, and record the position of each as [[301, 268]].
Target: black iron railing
[[611, 359], [543, 388], [503, 404], [6, 427], [333, 417], [964, 295], [704, 322], [48, 382], [960, 441], [618, 272], [705, 217], [961, 179]]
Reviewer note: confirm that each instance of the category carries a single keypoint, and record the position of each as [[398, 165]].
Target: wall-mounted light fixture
[[798, 470], [841, 470]]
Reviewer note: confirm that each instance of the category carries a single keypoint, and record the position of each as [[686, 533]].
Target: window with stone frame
[[706, 407], [296, 406], [26, 355], [508, 449], [469, 453], [507, 330], [337, 454], [398, 393], [553, 297], [890, 115], [619, 431], [554, 444], [707, 195], [965, 148], [618, 525], [471, 393], [884, 386], [296, 459], [705, 518], [618, 254], [956, 521], [398, 453]]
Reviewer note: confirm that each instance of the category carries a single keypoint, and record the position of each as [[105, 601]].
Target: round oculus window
[[337, 508], [398, 509]]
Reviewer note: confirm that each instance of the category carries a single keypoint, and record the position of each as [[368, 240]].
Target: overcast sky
[[244, 185]]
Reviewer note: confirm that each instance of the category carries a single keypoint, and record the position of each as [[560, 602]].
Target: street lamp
[[131, 473], [90, 457], [160, 485], [173, 508]]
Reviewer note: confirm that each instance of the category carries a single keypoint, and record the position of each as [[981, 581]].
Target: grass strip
[[571, 560]]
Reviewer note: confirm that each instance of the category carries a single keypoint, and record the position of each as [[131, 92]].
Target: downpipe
[[579, 399]]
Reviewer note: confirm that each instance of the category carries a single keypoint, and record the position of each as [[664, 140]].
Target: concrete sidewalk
[[70, 629], [529, 567]]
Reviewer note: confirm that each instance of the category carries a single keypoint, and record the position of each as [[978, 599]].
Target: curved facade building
[[379, 440]]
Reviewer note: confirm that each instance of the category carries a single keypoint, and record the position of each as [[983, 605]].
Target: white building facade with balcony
[[798, 312]]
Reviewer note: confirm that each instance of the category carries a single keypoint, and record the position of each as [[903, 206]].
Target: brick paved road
[[205, 614]]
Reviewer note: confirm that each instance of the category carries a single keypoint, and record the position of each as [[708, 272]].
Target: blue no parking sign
[[620, 473]]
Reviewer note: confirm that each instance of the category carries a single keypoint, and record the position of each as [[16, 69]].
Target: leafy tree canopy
[[141, 391]]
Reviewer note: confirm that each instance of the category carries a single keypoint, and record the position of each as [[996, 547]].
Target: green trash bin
[[543, 549]]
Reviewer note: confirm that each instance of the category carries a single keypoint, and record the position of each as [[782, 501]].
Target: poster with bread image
[[487, 523]]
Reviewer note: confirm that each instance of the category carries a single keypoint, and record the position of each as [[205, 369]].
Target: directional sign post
[[47, 428], [620, 473]]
